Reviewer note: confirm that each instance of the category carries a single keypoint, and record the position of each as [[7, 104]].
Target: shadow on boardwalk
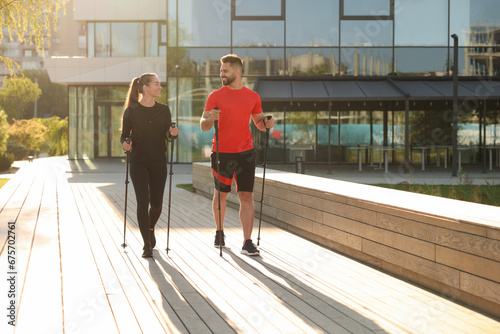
[[74, 276]]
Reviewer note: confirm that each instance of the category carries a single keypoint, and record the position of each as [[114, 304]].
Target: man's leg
[[215, 205], [247, 213]]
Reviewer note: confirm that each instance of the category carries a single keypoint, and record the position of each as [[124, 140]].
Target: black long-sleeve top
[[148, 128]]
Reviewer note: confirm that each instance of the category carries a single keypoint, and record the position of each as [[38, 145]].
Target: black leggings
[[149, 184]]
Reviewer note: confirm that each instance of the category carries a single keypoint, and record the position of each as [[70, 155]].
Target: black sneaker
[[148, 252], [250, 249], [219, 239]]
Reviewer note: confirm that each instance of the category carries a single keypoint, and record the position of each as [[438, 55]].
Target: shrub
[[6, 160], [4, 131], [30, 133], [19, 151], [56, 135]]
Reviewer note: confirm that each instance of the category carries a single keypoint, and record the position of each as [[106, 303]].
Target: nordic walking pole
[[170, 189], [216, 126], [263, 180], [126, 192]]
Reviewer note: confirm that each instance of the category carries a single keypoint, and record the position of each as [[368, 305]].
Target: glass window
[[258, 33], [72, 123], [85, 123], [128, 39], [300, 135], [116, 125], [276, 139], [366, 7], [312, 61], [90, 39], [151, 39], [418, 61], [366, 61], [171, 29], [366, 33], [204, 23], [258, 61], [196, 62], [102, 39], [316, 24], [257, 7], [193, 144], [421, 23], [110, 93]]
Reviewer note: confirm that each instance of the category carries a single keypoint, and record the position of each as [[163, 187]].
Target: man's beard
[[229, 80]]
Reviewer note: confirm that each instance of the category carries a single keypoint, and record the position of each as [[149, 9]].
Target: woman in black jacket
[[146, 126]]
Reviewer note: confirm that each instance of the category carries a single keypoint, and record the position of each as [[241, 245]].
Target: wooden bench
[[449, 246]]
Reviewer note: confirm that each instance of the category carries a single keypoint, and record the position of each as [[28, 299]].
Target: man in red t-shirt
[[232, 106]]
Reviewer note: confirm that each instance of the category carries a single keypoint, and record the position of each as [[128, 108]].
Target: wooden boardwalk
[[71, 275]]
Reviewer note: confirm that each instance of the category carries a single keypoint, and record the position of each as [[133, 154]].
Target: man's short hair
[[233, 60]]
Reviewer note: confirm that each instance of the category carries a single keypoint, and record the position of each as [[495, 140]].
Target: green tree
[[54, 98], [56, 135], [4, 132], [28, 21], [16, 93], [30, 133]]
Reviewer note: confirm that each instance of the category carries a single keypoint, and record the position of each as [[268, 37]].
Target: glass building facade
[[317, 38]]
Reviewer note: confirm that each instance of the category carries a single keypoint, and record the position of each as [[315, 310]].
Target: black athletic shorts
[[241, 166]]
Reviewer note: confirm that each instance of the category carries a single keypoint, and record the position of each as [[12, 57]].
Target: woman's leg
[[157, 180], [140, 179]]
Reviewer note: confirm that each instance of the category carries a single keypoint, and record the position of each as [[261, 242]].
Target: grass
[[484, 194], [188, 187]]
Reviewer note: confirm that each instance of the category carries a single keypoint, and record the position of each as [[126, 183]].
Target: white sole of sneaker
[[249, 254]]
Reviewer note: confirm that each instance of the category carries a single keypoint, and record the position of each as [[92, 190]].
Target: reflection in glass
[[196, 62], [419, 61], [116, 125], [85, 123], [102, 131], [261, 61], [172, 22], [276, 139], [151, 39], [300, 135], [314, 61], [258, 33], [366, 7], [204, 23], [102, 39], [193, 144], [258, 7], [316, 24], [128, 39], [483, 55], [366, 61], [421, 23], [72, 123], [90, 39], [366, 33]]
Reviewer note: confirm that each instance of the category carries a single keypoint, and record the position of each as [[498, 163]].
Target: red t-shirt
[[236, 107]]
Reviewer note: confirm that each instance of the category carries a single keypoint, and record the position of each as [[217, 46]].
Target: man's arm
[[261, 122], [208, 118]]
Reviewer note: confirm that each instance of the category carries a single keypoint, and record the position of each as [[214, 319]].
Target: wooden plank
[[41, 297], [119, 302], [28, 201], [85, 307], [111, 236]]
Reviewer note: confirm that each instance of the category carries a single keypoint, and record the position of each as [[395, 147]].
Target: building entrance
[[108, 129]]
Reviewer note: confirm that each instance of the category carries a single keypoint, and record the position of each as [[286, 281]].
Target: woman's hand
[[174, 132], [127, 146]]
